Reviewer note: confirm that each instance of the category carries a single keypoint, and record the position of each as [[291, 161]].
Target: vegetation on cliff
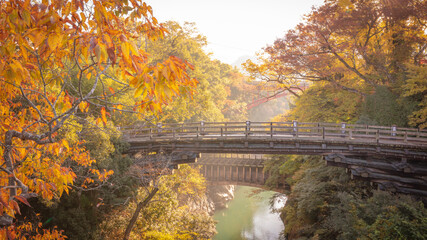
[[365, 62]]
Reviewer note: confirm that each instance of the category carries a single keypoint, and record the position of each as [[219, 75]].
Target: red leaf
[[112, 54], [23, 200]]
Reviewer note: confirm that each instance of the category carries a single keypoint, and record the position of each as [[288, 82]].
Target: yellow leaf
[[144, 94], [85, 52], [65, 144], [125, 53], [54, 41], [139, 90], [83, 106], [101, 52], [56, 150], [134, 82]]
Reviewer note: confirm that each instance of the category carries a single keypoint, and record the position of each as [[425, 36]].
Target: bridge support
[[234, 171], [396, 175]]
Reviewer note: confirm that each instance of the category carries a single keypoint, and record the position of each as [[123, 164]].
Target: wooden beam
[[404, 168]]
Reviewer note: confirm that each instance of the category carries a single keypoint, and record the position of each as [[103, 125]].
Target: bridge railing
[[302, 130]]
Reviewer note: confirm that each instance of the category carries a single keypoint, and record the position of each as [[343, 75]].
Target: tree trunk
[[8, 160], [139, 207]]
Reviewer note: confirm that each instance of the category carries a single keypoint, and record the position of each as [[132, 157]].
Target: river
[[248, 217]]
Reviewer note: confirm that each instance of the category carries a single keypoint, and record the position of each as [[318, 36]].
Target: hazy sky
[[235, 28]]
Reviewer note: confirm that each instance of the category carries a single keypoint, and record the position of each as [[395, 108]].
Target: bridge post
[[248, 128], [271, 129], [343, 129], [159, 127], [197, 132], [256, 175], [202, 124], [295, 128], [218, 175], [323, 133], [377, 136], [393, 130]]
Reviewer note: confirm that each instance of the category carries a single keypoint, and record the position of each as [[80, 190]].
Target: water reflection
[[249, 217]]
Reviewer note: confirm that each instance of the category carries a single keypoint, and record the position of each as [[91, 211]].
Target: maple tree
[[58, 60], [364, 60], [353, 45]]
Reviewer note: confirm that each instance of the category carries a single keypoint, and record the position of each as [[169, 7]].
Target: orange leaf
[[111, 90], [54, 41], [15, 206], [10, 234], [103, 115], [2, 201]]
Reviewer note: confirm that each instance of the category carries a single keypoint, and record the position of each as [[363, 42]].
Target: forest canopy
[[74, 74], [65, 65], [348, 51]]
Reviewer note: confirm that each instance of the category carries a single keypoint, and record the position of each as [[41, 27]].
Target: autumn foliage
[[353, 47], [58, 59], [364, 62]]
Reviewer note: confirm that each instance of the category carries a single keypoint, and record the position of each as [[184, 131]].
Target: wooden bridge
[[248, 170], [234, 169], [394, 157]]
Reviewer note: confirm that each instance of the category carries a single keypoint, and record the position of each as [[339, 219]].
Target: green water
[[248, 217]]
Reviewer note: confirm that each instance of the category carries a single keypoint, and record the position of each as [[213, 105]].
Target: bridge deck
[[280, 138]]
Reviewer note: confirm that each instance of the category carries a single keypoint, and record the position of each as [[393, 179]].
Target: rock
[[220, 195]]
